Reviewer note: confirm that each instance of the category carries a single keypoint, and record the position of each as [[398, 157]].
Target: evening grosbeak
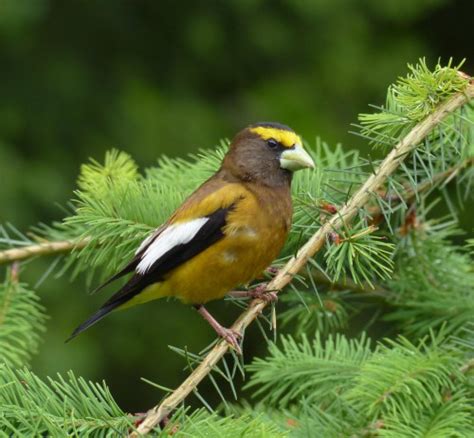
[[225, 234]]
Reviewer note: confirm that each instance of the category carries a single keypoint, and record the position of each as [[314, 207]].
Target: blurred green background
[[163, 77]]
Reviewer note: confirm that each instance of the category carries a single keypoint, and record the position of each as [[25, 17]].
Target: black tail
[[96, 317], [128, 291]]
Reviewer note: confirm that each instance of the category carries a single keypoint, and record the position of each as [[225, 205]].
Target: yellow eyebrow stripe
[[282, 136]]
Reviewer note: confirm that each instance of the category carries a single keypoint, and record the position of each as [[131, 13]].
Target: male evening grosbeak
[[225, 234]]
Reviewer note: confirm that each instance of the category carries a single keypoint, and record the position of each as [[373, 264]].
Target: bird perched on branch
[[225, 234]]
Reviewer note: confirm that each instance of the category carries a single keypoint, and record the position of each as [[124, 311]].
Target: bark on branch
[[44, 248], [314, 244]]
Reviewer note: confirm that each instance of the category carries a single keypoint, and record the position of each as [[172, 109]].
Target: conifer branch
[[378, 424], [40, 249], [22, 319], [445, 176], [360, 198]]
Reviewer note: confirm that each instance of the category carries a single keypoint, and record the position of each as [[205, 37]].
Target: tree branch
[[43, 248], [445, 176], [314, 244]]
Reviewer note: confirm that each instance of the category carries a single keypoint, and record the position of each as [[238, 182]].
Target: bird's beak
[[296, 158]]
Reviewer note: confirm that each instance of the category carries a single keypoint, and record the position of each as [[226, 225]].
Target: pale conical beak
[[296, 158]]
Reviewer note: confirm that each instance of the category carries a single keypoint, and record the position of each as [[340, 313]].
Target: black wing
[[209, 233], [132, 265]]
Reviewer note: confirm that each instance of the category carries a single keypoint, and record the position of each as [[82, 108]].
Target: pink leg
[[231, 336]]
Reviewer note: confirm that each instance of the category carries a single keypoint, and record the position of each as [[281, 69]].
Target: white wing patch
[[145, 242], [169, 238]]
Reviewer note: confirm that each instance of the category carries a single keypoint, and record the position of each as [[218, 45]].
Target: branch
[[314, 244], [377, 216], [44, 248], [445, 176], [378, 424]]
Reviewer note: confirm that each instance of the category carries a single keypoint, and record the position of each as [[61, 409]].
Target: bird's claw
[[232, 337], [261, 293], [269, 297], [229, 335]]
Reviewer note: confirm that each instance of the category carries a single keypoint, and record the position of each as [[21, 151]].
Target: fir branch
[[22, 320], [401, 375], [308, 312], [449, 415], [358, 251], [449, 419], [57, 407], [443, 177], [210, 425], [433, 284], [315, 371], [40, 249], [411, 99], [393, 160]]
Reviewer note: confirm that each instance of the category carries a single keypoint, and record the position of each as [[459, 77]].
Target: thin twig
[[43, 248], [314, 244], [445, 176]]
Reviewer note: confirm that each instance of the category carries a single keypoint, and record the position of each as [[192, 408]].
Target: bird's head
[[267, 153]]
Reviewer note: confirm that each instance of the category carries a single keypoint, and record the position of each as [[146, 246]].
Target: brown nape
[[251, 160]]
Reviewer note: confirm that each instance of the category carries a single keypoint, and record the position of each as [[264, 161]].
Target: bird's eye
[[272, 143]]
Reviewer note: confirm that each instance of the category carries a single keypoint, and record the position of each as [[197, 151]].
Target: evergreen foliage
[[399, 268], [22, 320], [344, 388], [59, 407]]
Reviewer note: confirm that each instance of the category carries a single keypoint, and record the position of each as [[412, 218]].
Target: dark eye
[[272, 143]]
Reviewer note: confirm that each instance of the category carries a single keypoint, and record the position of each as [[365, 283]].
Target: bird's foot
[[262, 293], [232, 337], [259, 292]]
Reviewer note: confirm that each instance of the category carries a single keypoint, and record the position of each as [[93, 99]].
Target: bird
[[225, 234]]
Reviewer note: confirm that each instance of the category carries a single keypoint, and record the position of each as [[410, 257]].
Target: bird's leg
[[231, 336], [259, 291]]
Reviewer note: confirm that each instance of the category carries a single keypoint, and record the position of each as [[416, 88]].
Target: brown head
[[266, 153]]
